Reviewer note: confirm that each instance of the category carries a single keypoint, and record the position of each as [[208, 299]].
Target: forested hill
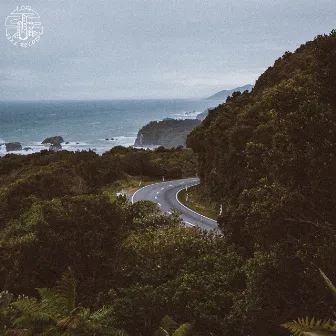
[[280, 139], [269, 157]]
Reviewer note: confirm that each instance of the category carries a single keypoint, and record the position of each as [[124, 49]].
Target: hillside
[[269, 158], [167, 133], [222, 95]]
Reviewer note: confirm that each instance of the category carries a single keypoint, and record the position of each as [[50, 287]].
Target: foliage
[[269, 158], [312, 327], [303, 327], [170, 328], [56, 313]]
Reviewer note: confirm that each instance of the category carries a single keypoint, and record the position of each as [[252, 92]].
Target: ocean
[[87, 124]]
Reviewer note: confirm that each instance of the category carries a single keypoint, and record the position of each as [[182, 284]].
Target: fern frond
[[101, 314], [168, 324], [47, 294], [31, 313], [184, 330], [26, 321], [66, 290], [329, 283], [161, 332], [304, 327], [51, 303], [27, 306]]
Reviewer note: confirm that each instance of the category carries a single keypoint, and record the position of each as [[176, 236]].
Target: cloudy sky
[[110, 49]]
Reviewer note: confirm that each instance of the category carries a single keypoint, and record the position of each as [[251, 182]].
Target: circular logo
[[23, 27]]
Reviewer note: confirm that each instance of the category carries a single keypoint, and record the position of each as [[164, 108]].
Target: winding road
[[165, 195]]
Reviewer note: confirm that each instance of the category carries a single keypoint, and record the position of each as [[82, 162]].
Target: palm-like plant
[[312, 327], [56, 314]]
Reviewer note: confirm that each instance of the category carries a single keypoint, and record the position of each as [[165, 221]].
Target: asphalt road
[[164, 194]]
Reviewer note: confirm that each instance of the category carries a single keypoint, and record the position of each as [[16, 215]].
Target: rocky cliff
[[168, 133]]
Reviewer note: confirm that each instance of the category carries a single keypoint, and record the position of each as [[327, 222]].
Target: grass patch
[[196, 203]]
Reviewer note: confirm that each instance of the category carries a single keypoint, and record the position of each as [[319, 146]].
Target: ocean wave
[[99, 146], [187, 115]]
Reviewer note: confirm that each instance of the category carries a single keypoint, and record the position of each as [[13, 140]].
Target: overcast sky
[[110, 49]]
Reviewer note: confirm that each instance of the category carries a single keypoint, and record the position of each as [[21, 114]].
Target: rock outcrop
[[167, 133], [13, 146], [55, 141], [55, 148]]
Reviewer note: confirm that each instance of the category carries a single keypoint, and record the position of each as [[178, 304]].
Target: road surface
[[165, 195]]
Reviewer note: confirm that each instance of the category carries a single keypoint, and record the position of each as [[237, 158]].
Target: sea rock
[[13, 146], [55, 148], [56, 140], [67, 143], [27, 149], [166, 133]]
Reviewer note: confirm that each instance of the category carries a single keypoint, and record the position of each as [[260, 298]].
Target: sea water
[[87, 124]]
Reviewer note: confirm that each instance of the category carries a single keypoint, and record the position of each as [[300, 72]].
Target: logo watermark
[[23, 27]]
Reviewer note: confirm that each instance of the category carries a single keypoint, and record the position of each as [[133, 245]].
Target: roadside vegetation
[[195, 202]]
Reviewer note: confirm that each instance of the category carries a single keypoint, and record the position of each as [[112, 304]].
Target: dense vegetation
[[268, 156]]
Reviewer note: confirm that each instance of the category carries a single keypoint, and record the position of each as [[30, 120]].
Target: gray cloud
[[154, 48]]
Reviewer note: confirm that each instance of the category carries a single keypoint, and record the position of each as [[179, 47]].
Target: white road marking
[[189, 223], [170, 185], [155, 197], [190, 209], [169, 212], [162, 188], [159, 204], [157, 192]]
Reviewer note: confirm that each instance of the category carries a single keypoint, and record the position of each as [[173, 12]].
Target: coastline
[[87, 126]]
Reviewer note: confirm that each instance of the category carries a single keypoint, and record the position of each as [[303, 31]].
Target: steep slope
[[269, 156]]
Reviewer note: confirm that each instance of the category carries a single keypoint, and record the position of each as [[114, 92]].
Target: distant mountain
[[222, 95]]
